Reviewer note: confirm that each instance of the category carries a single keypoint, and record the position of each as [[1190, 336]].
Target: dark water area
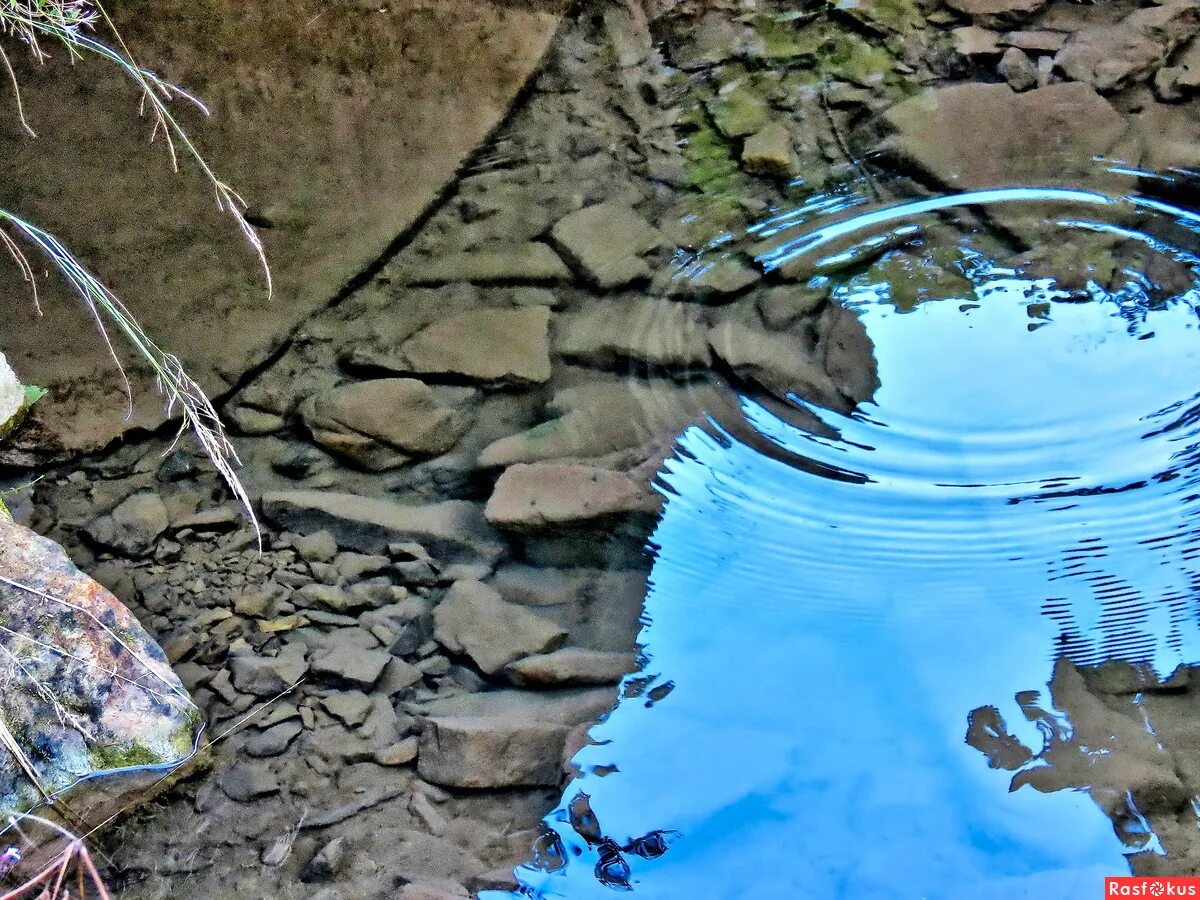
[[936, 645]]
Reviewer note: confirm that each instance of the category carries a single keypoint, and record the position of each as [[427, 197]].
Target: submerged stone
[[487, 345], [769, 152], [87, 690], [954, 135], [383, 423], [606, 242]]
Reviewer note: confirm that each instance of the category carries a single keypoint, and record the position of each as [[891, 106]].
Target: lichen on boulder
[[12, 397], [86, 691]]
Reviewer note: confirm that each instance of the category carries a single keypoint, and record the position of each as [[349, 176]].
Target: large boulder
[[86, 689], [339, 130]]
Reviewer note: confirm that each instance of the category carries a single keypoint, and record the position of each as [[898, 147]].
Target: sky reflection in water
[[1029, 490]]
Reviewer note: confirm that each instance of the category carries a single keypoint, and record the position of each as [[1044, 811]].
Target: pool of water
[[917, 647]]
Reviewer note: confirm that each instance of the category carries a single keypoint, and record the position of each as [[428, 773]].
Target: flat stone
[[133, 526], [488, 345], [531, 263], [532, 497], [997, 11], [366, 524], [657, 332], [249, 781], [606, 242], [474, 619], [769, 152], [1018, 70], [328, 597], [569, 707], [491, 753], [354, 665], [384, 423], [571, 666], [971, 41], [1034, 41], [847, 353], [596, 419], [351, 707], [267, 676], [713, 38], [738, 111], [950, 134], [320, 546], [274, 740], [778, 362], [398, 754], [711, 281]]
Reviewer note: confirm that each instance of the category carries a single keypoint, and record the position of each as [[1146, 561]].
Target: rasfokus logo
[[1136, 886]]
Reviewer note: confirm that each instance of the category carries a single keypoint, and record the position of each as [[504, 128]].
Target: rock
[[246, 781], [1034, 41], [431, 892], [657, 332], [570, 707], [335, 184], [133, 526], [847, 353], [952, 134], [351, 664], [433, 863], [250, 421], [738, 111], [12, 397], [423, 809], [274, 740], [384, 423], [318, 596], [713, 38], [997, 12], [769, 152], [448, 529], [1110, 57], [320, 546], [606, 242], [398, 676], [508, 346], [486, 753], [531, 263], [351, 707], [711, 281], [399, 754], [474, 619], [267, 676], [571, 666], [532, 497], [596, 419], [353, 566], [1167, 139], [778, 362], [972, 41], [1018, 70], [86, 689], [327, 862], [1181, 79]]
